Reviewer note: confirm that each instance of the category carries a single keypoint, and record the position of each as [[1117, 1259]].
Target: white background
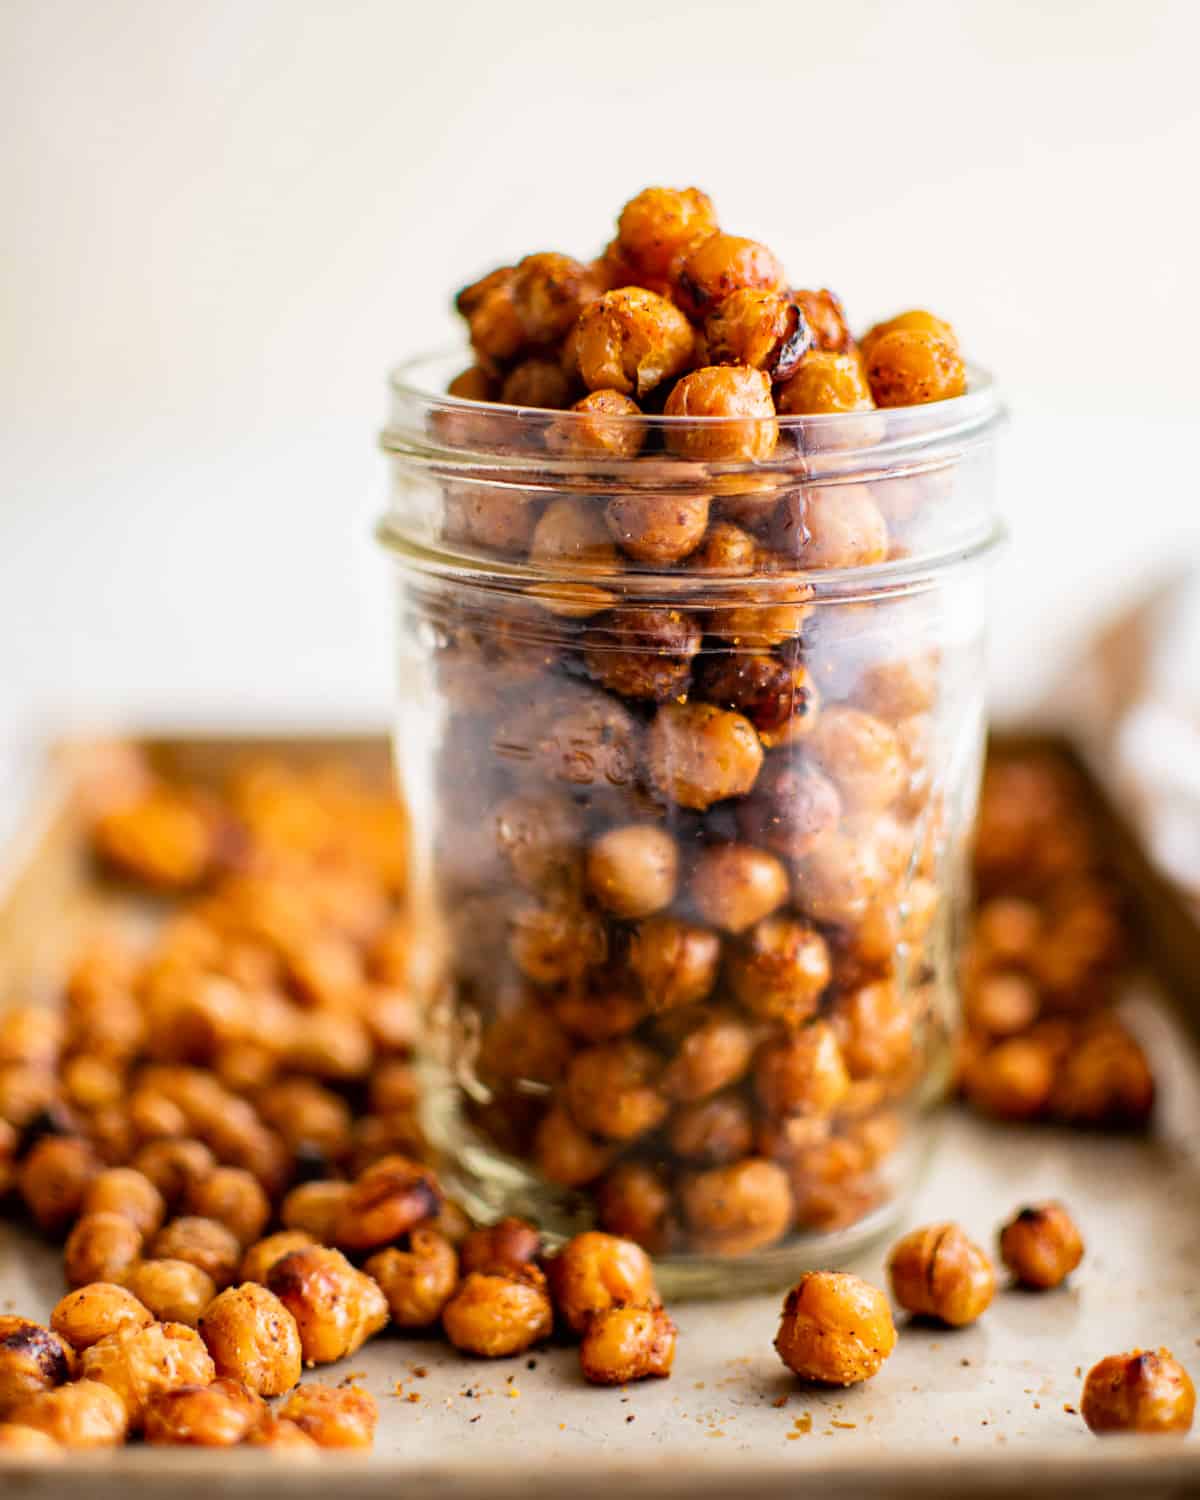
[[222, 220]]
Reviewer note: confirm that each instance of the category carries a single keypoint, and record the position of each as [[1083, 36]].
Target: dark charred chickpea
[[173, 1166], [53, 1178], [86, 1414], [675, 962], [713, 1131], [836, 1329], [174, 1290], [234, 1198], [658, 225], [727, 549], [737, 1209], [141, 1363], [101, 1247], [202, 1416], [766, 330], [633, 871], [723, 264], [594, 1272], [824, 382], [1138, 1392], [826, 318], [733, 886], [201, 1242], [27, 1443], [571, 533], [500, 1312], [32, 1359], [631, 340], [418, 1281], [860, 754], [336, 1307], [633, 1202], [912, 366], [699, 754], [1041, 1246], [508, 1242], [602, 424], [779, 698], [658, 529], [126, 1191], [802, 1074], [87, 1315], [314, 1207], [341, 1417], [253, 1338], [642, 653], [712, 1052], [262, 1255], [392, 1196], [548, 293], [793, 807], [736, 392], [566, 1154], [780, 969], [1012, 1080], [623, 1343], [611, 1090], [937, 1272], [537, 382]]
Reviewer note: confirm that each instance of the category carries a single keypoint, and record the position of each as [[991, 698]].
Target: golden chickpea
[[336, 1308], [85, 1316], [394, 1087], [27, 1443], [9, 1142], [611, 1090], [712, 1051], [174, 1290], [232, 1197], [91, 1083], [53, 1178], [658, 225], [712, 1131], [624, 1343], [328, 1045], [200, 1242], [556, 943], [631, 340], [792, 809], [727, 549], [598, 1017], [476, 292], [1001, 1004], [602, 424], [262, 1255], [392, 1196], [565, 1154], [899, 689], [86, 1414], [419, 1281], [548, 293], [632, 871], [594, 1272], [723, 264], [307, 1114], [472, 384], [508, 1242], [32, 1359], [537, 382], [571, 533], [282, 1435], [126, 1191], [734, 886], [26, 1093], [315, 1208], [334, 1418], [674, 961], [501, 1312], [1013, 1080], [633, 1202], [836, 1329], [826, 318], [141, 1363], [196, 1415], [253, 1338], [699, 754], [874, 1025], [824, 382], [737, 1209], [496, 331], [802, 1074], [101, 1247], [766, 330], [837, 879], [860, 754], [780, 970], [736, 392], [918, 319], [1041, 1246], [1104, 1080], [657, 529], [166, 839], [155, 1117], [911, 366], [173, 1166], [1138, 1392], [937, 1272]]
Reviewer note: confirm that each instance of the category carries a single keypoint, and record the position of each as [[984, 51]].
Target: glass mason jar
[[690, 728]]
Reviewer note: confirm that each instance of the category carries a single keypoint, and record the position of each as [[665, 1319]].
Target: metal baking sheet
[[985, 1411]]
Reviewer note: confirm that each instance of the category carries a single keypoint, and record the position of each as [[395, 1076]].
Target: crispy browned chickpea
[[174, 1290], [594, 1272], [26, 1093], [1012, 1080], [1138, 1392], [488, 516], [1041, 1246], [860, 754], [838, 878], [496, 331], [632, 871], [802, 1074], [826, 318], [141, 1363], [780, 969], [499, 1312], [631, 340], [126, 1191], [699, 754], [625, 1343], [779, 698], [937, 1272], [341, 1417], [555, 943], [336, 1308], [234, 1198], [831, 527], [31, 1034], [721, 265], [793, 807], [173, 1166], [737, 1209], [836, 1329], [32, 1359], [658, 225], [611, 1090], [86, 1414], [307, 1114], [736, 392], [712, 1131], [602, 424], [263, 1254], [472, 384], [764, 329], [392, 1196], [27, 1443], [659, 529], [571, 533], [101, 1247], [1104, 1080], [253, 1338], [910, 366], [634, 1203], [824, 382], [919, 319], [203, 1416], [734, 886], [599, 1016], [91, 1083], [471, 295], [155, 1117], [727, 549], [675, 962], [419, 1281], [566, 1154], [712, 1049], [548, 292], [874, 1025], [53, 1179], [201, 1242], [1001, 1004], [85, 1316], [314, 1207], [282, 1435], [508, 1242], [537, 382]]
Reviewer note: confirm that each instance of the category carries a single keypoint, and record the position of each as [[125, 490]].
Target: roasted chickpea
[[1012, 1080], [86, 1414], [712, 1051], [391, 1197], [85, 1316], [624, 1343], [1041, 1246], [155, 1117], [26, 1094], [499, 1312], [737, 1209], [126, 1191], [496, 331], [167, 838], [32, 1359], [263, 1254], [173, 1166], [175, 1291], [911, 366], [611, 1090], [792, 808], [336, 1308], [825, 316], [314, 1207], [567, 1155], [9, 1141], [721, 265], [660, 224], [712, 1131], [802, 1074], [548, 293], [837, 879], [632, 871], [699, 754], [334, 1418], [141, 1363], [508, 1242], [836, 1329], [475, 292], [860, 754], [555, 943], [101, 1247], [634, 1203], [91, 1083], [601, 424], [282, 1435], [824, 382], [659, 529], [538, 383], [1001, 1004], [571, 533], [232, 1197], [253, 1338], [592, 742], [204, 1416], [53, 1178], [734, 886], [727, 549], [306, 1114], [899, 689], [27, 1443], [489, 516], [472, 384], [937, 1272], [917, 319], [736, 392], [598, 1016], [631, 340], [674, 961], [839, 526], [778, 698], [1104, 1080], [419, 1281], [766, 330], [594, 1272], [780, 969], [1138, 1392], [874, 1025], [200, 1242]]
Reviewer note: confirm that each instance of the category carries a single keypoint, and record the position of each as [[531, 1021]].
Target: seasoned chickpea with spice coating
[[1041, 1246], [253, 1338], [202, 1416], [200, 1242], [417, 1281], [141, 1363], [336, 1307], [766, 330], [803, 1073], [53, 1178], [657, 529], [779, 698], [101, 1247], [675, 962], [548, 293], [1138, 1392], [85, 1414], [392, 1196], [780, 970], [566, 1154], [262, 1255], [792, 808], [499, 1312], [658, 224], [611, 1090], [625, 1343], [601, 424], [85, 1316], [711, 1131], [733, 886], [634, 1202], [32, 1359], [173, 1165], [911, 366], [1012, 1080], [537, 382], [314, 1207], [126, 1191], [836, 1329], [937, 1272], [633, 871], [723, 264], [824, 382], [341, 1417], [594, 1272], [175, 1291], [508, 1242], [631, 340], [738, 393], [711, 1050], [28, 1443], [737, 1209], [699, 754], [827, 319]]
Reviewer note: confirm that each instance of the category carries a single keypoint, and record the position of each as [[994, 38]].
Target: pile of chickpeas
[[1050, 941]]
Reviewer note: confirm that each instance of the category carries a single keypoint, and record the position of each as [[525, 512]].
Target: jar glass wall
[[690, 725]]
